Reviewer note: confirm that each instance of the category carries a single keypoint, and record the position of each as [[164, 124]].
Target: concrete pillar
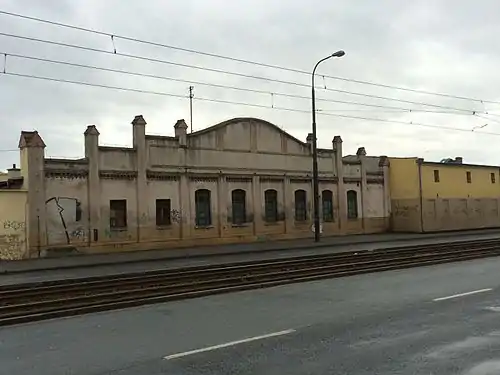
[[180, 129], [257, 204], [95, 231], [139, 141], [361, 154], [385, 165], [32, 150], [341, 194], [186, 223], [289, 202], [221, 204], [309, 140]]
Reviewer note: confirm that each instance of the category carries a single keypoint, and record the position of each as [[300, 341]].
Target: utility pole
[[191, 96]]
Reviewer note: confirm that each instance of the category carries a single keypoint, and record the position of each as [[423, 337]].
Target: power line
[[412, 123], [154, 76], [149, 59], [245, 61]]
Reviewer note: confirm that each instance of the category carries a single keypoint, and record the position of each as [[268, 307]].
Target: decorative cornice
[[271, 179], [239, 179], [203, 178], [118, 175], [66, 173], [161, 176]]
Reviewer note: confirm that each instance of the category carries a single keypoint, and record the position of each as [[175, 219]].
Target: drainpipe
[[419, 162]]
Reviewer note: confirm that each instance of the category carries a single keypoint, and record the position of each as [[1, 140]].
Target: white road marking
[[227, 344], [463, 294]]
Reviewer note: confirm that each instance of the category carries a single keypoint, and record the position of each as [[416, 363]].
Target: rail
[[49, 299]]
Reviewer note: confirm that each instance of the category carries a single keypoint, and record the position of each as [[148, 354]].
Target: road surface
[[432, 320]]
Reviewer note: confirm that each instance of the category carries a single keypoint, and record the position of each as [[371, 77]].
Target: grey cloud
[[443, 46]]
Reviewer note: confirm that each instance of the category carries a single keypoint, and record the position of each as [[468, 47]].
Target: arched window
[[352, 204], [238, 198], [327, 204], [271, 205], [203, 207], [300, 205]]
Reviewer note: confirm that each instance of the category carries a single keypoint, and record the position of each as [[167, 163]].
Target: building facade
[[241, 180], [449, 195], [13, 204]]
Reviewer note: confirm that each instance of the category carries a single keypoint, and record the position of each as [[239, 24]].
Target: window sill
[[163, 227], [119, 229], [352, 218], [271, 223], [242, 225], [204, 227]]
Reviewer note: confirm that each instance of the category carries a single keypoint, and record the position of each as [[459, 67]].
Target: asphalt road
[[432, 320]]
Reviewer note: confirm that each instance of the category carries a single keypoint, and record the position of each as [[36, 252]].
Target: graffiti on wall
[[404, 210], [12, 240], [14, 225], [64, 220], [176, 216]]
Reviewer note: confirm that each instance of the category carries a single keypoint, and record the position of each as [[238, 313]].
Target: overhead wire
[[237, 88], [411, 123], [242, 75], [239, 60]]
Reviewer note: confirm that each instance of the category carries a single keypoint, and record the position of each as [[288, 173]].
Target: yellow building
[[448, 195], [13, 204]]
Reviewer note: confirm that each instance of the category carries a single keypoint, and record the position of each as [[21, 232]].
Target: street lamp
[[315, 149]]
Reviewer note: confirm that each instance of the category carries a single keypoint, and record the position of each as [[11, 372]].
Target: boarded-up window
[[163, 212], [327, 204], [238, 198], [436, 175], [469, 177], [202, 207], [271, 205], [300, 205], [352, 204], [493, 179], [118, 213]]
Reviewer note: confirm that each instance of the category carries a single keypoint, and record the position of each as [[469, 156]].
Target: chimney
[[459, 160], [13, 173], [309, 141], [180, 129]]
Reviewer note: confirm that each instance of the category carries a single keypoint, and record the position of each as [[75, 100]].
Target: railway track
[[50, 299]]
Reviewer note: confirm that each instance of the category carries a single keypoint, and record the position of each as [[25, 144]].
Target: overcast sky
[[433, 45]]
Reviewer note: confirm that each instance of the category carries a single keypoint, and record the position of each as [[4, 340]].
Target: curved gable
[[247, 134]]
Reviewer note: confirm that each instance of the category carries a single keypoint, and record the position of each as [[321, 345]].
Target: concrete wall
[[453, 203], [405, 195], [245, 154], [13, 206], [428, 201]]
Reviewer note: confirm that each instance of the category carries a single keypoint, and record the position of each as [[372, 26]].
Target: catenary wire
[[412, 123], [90, 49], [237, 88], [246, 61]]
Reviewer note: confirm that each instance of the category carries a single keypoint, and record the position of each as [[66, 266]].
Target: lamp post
[[315, 149]]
